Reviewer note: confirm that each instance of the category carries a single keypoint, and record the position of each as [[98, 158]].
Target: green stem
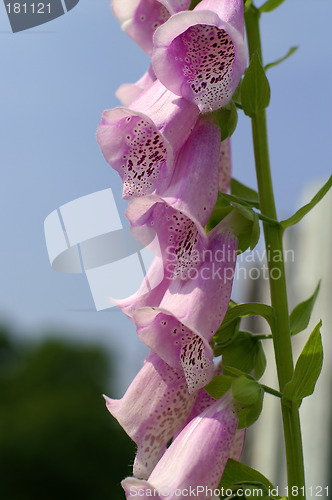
[[263, 336], [273, 241], [268, 220], [271, 391]]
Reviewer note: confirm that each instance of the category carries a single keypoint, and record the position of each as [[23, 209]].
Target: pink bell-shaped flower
[[201, 54], [153, 409], [142, 142], [194, 463], [140, 18]]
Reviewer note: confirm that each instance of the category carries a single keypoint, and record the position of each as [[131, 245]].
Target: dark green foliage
[[57, 439]]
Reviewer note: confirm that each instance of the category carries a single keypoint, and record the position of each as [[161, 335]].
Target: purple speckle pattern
[[144, 158], [229, 423], [207, 56], [225, 166], [173, 405], [182, 240], [192, 352]]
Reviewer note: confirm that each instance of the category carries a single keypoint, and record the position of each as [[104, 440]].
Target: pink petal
[[153, 409], [178, 216], [197, 457], [184, 349], [200, 55], [191, 311], [128, 92], [225, 166], [140, 18], [174, 6], [142, 141]]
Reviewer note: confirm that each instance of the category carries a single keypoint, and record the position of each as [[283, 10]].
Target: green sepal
[[242, 220], [236, 97], [247, 396], [218, 214], [307, 369], [226, 119], [244, 193], [255, 89], [245, 225], [245, 353], [225, 336], [248, 415], [226, 333], [282, 59], [246, 391], [270, 5], [247, 4], [300, 316], [236, 472], [219, 385], [193, 4], [291, 221]]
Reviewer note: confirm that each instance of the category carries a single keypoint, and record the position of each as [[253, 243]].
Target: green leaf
[[245, 353], [255, 89], [300, 316], [282, 59], [250, 309], [245, 193], [226, 119], [307, 369], [219, 385], [309, 206], [235, 473], [270, 5]]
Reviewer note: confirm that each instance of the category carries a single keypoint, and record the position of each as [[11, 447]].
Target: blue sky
[[55, 82]]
